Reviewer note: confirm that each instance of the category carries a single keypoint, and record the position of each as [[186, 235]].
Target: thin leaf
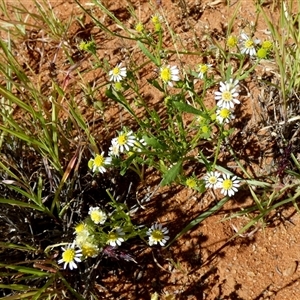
[[188, 108], [26, 270], [153, 142], [18, 247], [147, 52], [170, 176], [14, 287], [21, 204]]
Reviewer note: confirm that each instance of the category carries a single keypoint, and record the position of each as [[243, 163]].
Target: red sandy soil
[[205, 263]]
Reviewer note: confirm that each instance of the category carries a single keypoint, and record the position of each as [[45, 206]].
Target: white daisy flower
[[114, 150], [99, 163], [158, 234], [228, 185], [117, 73], [203, 69], [212, 179], [169, 74], [227, 95], [224, 115], [70, 256], [124, 141], [248, 45], [115, 237], [97, 215]]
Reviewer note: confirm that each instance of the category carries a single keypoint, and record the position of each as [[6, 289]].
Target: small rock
[[291, 269], [251, 274]]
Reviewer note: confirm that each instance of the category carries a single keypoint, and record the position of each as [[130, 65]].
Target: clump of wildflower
[[88, 46], [212, 179], [99, 163], [231, 41], [203, 69], [123, 142], [139, 27], [97, 215], [169, 74], [158, 234], [115, 237], [248, 45], [118, 73], [227, 95], [224, 115], [70, 256], [228, 185]]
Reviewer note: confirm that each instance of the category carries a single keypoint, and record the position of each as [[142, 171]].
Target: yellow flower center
[[227, 96], [267, 45], [213, 180], [203, 69], [227, 184], [191, 182], [116, 71], [99, 160], [231, 41], [112, 236], [157, 235], [262, 53], [79, 228], [165, 74], [122, 139], [249, 44], [96, 216], [155, 19], [139, 27], [68, 255], [118, 86], [205, 129], [89, 250], [224, 113]]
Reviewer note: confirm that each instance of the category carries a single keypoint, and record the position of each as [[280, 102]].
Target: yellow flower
[[70, 256], [262, 53], [191, 183], [97, 215], [139, 27], [232, 41], [267, 45], [169, 74], [79, 228], [89, 249]]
